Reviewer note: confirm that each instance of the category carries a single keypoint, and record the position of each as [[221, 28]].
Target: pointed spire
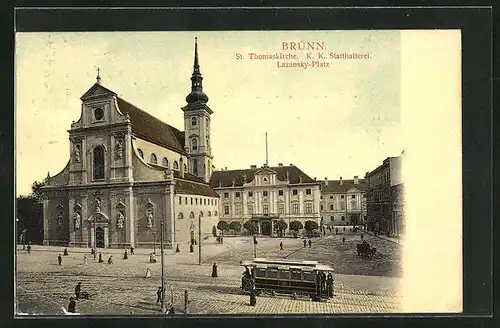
[[196, 67], [197, 94], [98, 78]]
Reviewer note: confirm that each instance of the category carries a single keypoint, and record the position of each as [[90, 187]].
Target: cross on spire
[[98, 78]]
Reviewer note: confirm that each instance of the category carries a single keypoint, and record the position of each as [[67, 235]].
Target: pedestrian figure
[[329, 285], [343, 240], [191, 248], [78, 289], [152, 258], [253, 299], [159, 294], [323, 283], [344, 229], [310, 242], [362, 237], [100, 258], [125, 255], [324, 232], [65, 252], [92, 251], [84, 259], [110, 259], [131, 250], [281, 245], [59, 259], [305, 243], [29, 248], [214, 271], [177, 250], [148, 272], [72, 305], [222, 239]]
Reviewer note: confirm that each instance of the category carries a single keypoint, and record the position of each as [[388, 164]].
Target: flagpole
[[266, 152]]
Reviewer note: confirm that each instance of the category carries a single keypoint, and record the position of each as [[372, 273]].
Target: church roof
[[334, 186], [225, 178], [149, 128]]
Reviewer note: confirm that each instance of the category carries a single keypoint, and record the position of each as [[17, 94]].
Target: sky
[[341, 120]]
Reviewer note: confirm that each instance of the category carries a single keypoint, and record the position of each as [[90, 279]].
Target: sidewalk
[[392, 239]]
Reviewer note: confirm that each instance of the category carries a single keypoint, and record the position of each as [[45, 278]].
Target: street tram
[[286, 276]]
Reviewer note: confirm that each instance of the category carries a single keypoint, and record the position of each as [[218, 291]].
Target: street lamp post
[[199, 239], [154, 242], [163, 305], [95, 236]]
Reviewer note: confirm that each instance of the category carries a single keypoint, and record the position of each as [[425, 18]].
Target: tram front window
[[308, 276]]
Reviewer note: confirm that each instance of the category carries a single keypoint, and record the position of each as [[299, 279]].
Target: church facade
[[131, 176]]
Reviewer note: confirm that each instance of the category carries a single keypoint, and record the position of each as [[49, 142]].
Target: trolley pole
[[163, 305], [199, 239]]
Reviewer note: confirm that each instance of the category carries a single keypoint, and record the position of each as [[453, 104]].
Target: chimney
[[291, 164], [326, 181], [280, 164], [314, 178], [225, 168], [356, 180], [181, 163], [340, 181], [253, 166]]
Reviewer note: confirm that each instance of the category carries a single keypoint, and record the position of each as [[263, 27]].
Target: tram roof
[[281, 263]]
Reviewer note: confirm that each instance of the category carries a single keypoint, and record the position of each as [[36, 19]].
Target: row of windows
[[354, 206], [154, 160], [265, 208], [342, 218], [202, 201], [180, 216], [342, 196], [265, 193]]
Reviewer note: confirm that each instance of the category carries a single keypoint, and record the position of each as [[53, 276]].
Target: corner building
[[267, 194], [131, 176]]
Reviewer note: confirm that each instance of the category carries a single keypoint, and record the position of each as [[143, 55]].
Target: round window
[[98, 113]]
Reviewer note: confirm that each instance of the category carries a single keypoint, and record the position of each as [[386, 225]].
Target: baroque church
[[131, 176]]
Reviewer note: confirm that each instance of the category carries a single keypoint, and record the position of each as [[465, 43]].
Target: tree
[[251, 226], [280, 226], [296, 226], [235, 226], [30, 214], [223, 226], [310, 226]]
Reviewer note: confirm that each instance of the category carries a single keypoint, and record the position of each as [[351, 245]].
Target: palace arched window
[[98, 167], [209, 213], [153, 159], [191, 215], [164, 162], [140, 153], [180, 216], [201, 214], [176, 166]]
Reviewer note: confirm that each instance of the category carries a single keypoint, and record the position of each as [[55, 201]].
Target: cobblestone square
[[362, 285]]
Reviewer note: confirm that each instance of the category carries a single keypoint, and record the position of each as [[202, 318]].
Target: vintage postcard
[[238, 172]]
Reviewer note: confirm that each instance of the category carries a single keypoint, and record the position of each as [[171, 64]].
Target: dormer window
[[194, 121], [165, 162], [140, 153], [98, 113], [153, 159], [176, 166]]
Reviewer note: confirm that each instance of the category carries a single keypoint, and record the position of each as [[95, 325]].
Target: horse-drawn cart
[[365, 250]]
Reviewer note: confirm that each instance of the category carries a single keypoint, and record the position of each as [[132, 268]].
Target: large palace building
[[131, 175]]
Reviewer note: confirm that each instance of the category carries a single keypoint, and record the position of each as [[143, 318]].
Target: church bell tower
[[197, 125]]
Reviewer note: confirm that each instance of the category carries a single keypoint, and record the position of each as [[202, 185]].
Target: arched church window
[[165, 162], [153, 159], [194, 144], [194, 121], [140, 153], [180, 216], [98, 162], [176, 166]]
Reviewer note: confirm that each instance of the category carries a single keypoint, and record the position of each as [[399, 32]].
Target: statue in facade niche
[[119, 148], [120, 220], [77, 154], [77, 219], [60, 220], [97, 205], [150, 219]]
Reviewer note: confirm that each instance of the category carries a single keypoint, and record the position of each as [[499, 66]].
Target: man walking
[[310, 243], [59, 259], [281, 245], [72, 305], [305, 243], [343, 240], [253, 299], [131, 250], [159, 293], [78, 289]]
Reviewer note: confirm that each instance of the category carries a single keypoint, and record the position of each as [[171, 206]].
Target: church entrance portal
[[99, 235], [266, 228]]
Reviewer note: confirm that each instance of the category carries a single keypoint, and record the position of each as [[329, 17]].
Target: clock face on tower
[[98, 113]]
